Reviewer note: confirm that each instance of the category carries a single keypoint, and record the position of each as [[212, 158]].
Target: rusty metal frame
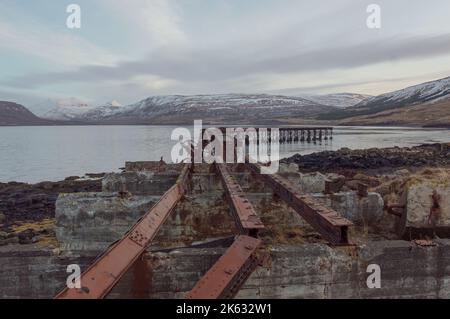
[[98, 280], [224, 279], [247, 221], [395, 209], [332, 226]]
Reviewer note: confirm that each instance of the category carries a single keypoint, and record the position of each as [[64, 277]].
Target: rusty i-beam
[[224, 279], [247, 221], [332, 226], [98, 280]]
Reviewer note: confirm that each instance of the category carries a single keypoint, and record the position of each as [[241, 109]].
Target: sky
[[130, 50]]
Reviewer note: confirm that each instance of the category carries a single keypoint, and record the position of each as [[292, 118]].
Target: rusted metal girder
[[98, 280], [229, 273], [247, 221], [332, 226], [395, 209]]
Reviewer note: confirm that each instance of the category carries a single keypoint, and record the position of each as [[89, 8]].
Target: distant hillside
[[15, 114], [431, 115], [340, 100], [425, 93]]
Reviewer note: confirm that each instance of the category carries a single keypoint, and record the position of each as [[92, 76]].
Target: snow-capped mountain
[[428, 92], [66, 109], [425, 93], [113, 104], [247, 108], [232, 108], [101, 111], [341, 100], [221, 107]]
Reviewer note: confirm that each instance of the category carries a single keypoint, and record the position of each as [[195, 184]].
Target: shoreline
[[310, 158], [27, 211], [40, 197], [279, 124]]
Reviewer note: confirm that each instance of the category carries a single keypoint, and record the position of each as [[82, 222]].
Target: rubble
[[288, 168], [312, 183], [360, 210], [139, 182], [427, 206]]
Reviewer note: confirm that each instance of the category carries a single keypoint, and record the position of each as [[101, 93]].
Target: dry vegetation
[[437, 114]]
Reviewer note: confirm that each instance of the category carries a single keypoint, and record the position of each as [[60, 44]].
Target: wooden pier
[[305, 134]]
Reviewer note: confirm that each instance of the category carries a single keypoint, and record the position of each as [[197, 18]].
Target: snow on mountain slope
[[425, 93], [341, 100], [102, 111], [428, 92], [228, 106], [113, 103], [66, 109]]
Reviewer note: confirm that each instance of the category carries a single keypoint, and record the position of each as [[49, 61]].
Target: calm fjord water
[[51, 153]]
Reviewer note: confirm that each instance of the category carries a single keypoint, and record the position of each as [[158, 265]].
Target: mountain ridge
[[424, 93], [340, 100], [12, 114], [393, 108], [222, 108]]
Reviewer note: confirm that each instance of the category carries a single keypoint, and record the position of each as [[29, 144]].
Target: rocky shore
[[426, 155], [27, 210]]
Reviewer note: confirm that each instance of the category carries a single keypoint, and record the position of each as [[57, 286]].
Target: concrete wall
[[300, 271], [304, 267], [91, 221], [28, 271], [139, 183]]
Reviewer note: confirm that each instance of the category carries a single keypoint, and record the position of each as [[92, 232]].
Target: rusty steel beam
[[98, 280], [395, 209], [247, 221], [224, 279], [332, 226]]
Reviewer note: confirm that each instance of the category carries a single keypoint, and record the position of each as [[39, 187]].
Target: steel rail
[[330, 224], [98, 280], [224, 279], [246, 219]]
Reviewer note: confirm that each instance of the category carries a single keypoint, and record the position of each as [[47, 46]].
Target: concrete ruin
[[300, 265]]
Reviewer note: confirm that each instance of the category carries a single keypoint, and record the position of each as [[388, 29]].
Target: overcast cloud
[[129, 51]]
